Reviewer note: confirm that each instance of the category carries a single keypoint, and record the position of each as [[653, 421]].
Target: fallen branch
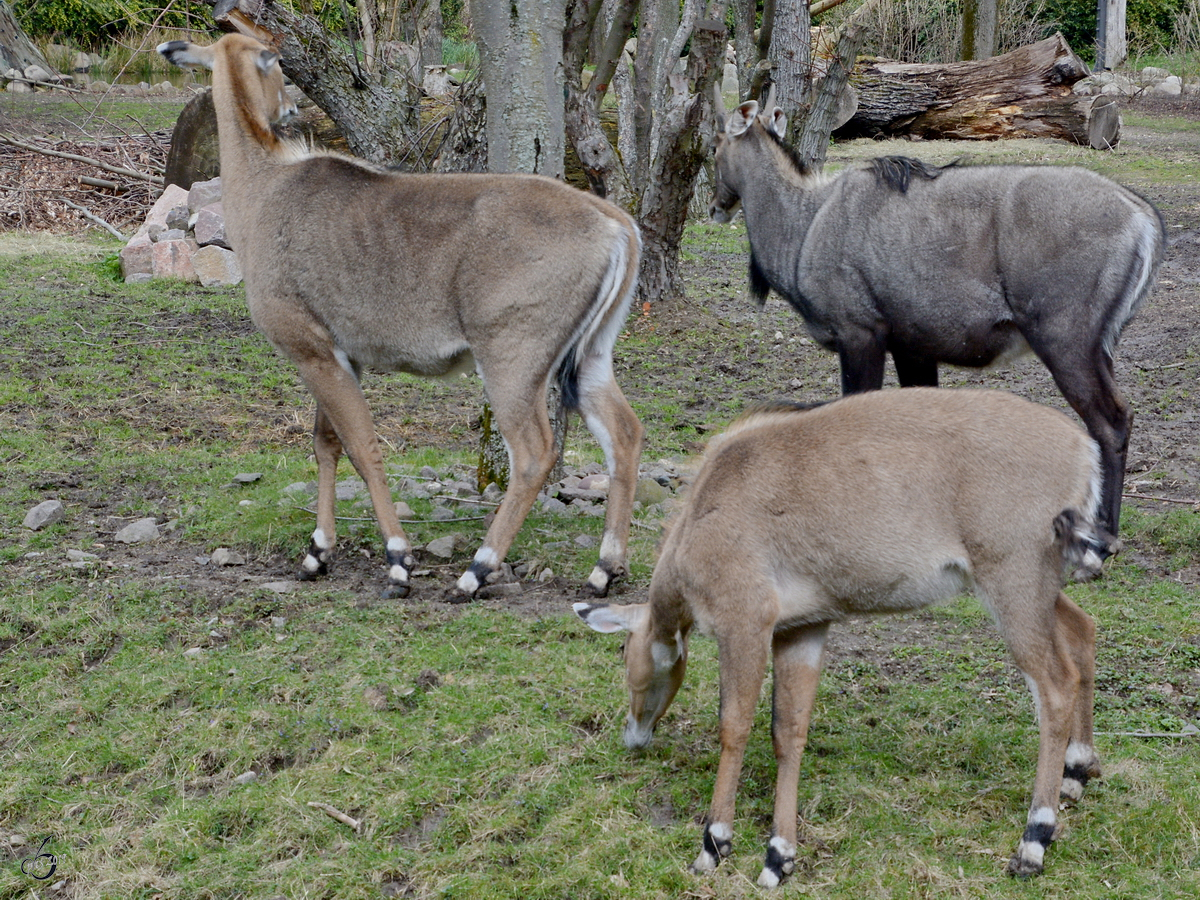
[[116, 170], [333, 813], [101, 183], [87, 214], [1189, 731], [1161, 499]]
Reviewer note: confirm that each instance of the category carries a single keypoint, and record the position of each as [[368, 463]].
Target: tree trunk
[[664, 118], [1111, 46], [1025, 93], [16, 49], [791, 55], [378, 118], [978, 29], [686, 124], [520, 52]]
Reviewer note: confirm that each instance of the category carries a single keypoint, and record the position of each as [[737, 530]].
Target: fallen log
[[1021, 94]]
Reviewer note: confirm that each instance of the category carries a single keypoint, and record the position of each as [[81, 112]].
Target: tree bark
[[791, 54], [1024, 93], [520, 52], [1111, 46], [378, 119], [978, 29], [16, 49]]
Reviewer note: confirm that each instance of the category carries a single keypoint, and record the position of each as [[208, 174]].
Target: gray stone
[[46, 513], [404, 511], [202, 194], [209, 226], [573, 494], [428, 472], [349, 489], [81, 63], [444, 547], [586, 541], [81, 556], [247, 477], [177, 218], [138, 532], [650, 492], [223, 556], [37, 73], [172, 196], [18, 87], [553, 505], [442, 514], [246, 778], [1168, 87], [137, 256], [173, 259]]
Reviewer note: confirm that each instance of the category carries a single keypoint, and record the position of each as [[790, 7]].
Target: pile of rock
[[18, 81], [183, 237], [1150, 81]]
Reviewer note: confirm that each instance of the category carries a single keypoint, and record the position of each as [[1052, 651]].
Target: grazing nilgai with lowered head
[[967, 265], [350, 266], [876, 503]]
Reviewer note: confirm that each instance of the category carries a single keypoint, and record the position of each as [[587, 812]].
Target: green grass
[[480, 750]]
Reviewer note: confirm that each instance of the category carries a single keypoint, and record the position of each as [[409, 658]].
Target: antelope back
[[879, 502]]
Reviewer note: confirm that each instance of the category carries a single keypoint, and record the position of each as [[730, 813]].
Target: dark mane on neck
[[898, 172], [792, 156]]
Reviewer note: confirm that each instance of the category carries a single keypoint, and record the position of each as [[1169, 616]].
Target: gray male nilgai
[[967, 265]]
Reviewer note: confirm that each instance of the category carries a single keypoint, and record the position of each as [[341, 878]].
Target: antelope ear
[[610, 619], [775, 122], [185, 55], [266, 59], [742, 118]]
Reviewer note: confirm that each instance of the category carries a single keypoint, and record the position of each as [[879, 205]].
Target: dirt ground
[[1158, 365]]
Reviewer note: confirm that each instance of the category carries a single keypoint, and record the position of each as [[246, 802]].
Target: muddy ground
[[715, 369]]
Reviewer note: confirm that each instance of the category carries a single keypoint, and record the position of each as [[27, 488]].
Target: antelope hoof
[[780, 863], [1039, 833], [717, 844], [315, 564], [400, 566], [603, 577], [470, 582], [1020, 867]]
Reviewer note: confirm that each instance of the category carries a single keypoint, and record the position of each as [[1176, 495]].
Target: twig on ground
[[87, 214], [330, 811], [1161, 499]]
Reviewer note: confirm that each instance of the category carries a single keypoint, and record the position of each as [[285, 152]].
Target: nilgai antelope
[[877, 503], [967, 265], [349, 266]]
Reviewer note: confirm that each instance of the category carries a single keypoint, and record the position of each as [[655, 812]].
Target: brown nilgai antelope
[[877, 503], [966, 265], [350, 266]]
